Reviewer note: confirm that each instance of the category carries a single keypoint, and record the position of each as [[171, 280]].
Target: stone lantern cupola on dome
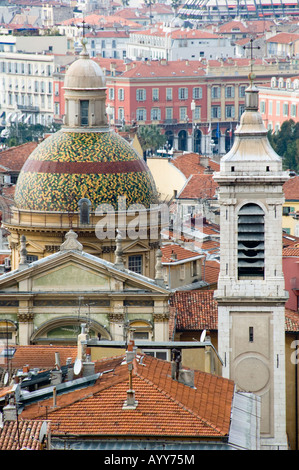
[[85, 94]]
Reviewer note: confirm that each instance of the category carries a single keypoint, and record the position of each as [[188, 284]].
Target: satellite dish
[[42, 432], [6, 377], [203, 336], [77, 366]]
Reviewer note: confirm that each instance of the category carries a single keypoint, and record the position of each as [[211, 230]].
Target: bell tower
[[251, 294]]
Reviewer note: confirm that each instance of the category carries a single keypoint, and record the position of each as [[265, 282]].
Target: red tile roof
[[165, 406], [211, 271], [196, 310], [21, 435], [284, 38], [199, 186], [162, 69], [42, 356], [192, 163], [172, 253], [290, 251], [14, 158], [291, 189]]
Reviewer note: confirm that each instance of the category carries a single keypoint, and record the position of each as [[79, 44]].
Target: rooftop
[[165, 406]]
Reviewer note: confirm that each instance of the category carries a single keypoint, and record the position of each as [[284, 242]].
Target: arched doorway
[[197, 141], [229, 139], [182, 140], [170, 139]]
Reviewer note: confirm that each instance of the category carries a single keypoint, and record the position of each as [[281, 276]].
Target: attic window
[[251, 242]]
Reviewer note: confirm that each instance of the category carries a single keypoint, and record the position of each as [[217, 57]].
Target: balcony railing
[[28, 108]]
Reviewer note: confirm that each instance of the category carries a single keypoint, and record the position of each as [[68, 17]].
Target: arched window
[[84, 210], [251, 242]]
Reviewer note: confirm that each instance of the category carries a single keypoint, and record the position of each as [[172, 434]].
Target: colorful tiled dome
[[69, 166]]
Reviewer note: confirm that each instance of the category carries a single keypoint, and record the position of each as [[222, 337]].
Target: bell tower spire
[[251, 295]]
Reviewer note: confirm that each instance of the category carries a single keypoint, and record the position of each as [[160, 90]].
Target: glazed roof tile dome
[[69, 166], [84, 161]]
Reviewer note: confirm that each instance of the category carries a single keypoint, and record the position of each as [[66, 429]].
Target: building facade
[[279, 102]]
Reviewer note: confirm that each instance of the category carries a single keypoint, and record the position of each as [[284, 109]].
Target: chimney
[[88, 365], [130, 403], [82, 337], [10, 411]]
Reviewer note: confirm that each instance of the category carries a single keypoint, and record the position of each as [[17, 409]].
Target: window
[[84, 105], [250, 334], [270, 110], [277, 108], [168, 94], [140, 94], [155, 114], [31, 258], [183, 114], [135, 264], [121, 94], [229, 111], [241, 109], [111, 93], [215, 112], [197, 93], [242, 91], [159, 354], [197, 112], [251, 242], [229, 92], [293, 110], [215, 92], [262, 107], [168, 113], [285, 109], [121, 115], [155, 94], [141, 114], [183, 93]]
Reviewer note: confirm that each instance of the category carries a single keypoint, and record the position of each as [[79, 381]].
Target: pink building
[[279, 102]]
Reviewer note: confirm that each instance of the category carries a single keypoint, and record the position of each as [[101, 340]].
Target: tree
[[151, 138], [20, 133], [285, 142]]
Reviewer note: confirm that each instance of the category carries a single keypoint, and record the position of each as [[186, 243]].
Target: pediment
[[71, 277]]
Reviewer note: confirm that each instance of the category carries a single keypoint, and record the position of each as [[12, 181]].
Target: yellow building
[[290, 210]]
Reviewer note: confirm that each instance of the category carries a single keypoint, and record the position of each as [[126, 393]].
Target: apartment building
[[163, 42], [197, 104], [279, 102], [26, 77]]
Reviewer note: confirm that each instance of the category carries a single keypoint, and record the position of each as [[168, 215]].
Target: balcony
[[28, 108]]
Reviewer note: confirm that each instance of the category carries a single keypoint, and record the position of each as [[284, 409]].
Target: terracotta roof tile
[[291, 189], [42, 356], [21, 434], [14, 158], [211, 271], [196, 310], [173, 253], [199, 186], [284, 38], [192, 163], [165, 406], [290, 251]]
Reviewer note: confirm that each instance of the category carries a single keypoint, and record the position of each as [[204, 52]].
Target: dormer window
[[84, 108], [251, 242]]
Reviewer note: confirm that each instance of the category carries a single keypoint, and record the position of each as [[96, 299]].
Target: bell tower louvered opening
[[251, 237]]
